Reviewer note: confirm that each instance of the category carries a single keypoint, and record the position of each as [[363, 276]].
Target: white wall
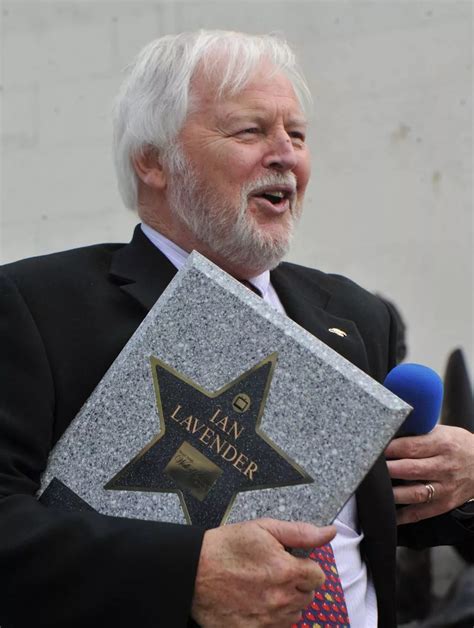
[[390, 203]]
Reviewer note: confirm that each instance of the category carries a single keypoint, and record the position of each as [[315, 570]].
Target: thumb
[[298, 533]]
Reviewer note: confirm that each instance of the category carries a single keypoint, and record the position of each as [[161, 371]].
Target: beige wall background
[[390, 203]]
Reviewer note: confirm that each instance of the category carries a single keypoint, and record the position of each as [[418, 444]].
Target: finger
[[441, 440], [298, 533], [415, 493], [303, 598], [292, 617], [310, 575], [417, 469], [413, 514], [422, 446]]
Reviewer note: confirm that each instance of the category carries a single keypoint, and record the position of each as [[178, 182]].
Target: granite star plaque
[[209, 446], [221, 409]]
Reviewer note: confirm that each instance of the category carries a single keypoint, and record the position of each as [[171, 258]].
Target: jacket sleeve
[[441, 530], [71, 569]]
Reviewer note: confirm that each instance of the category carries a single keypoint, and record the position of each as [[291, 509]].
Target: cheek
[[303, 172], [239, 165]]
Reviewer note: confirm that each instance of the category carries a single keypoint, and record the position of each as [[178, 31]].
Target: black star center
[[210, 445]]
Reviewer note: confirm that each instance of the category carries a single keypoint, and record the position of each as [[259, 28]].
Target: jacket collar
[[296, 295], [142, 269], [144, 273]]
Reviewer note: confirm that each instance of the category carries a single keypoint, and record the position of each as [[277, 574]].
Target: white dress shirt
[[357, 585]]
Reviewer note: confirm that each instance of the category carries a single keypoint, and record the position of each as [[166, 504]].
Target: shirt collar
[[177, 256]]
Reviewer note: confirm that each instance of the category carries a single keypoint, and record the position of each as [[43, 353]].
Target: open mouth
[[275, 197], [278, 198]]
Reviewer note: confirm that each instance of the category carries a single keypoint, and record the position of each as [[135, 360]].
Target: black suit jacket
[[63, 320]]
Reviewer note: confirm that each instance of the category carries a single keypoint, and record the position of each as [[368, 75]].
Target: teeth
[[278, 193]]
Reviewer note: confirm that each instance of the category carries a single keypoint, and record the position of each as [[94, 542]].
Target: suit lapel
[[309, 305], [376, 511], [142, 270]]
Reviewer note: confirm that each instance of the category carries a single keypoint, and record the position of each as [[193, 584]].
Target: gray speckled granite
[[331, 419]]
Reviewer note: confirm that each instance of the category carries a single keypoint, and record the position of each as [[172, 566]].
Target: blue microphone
[[422, 389]]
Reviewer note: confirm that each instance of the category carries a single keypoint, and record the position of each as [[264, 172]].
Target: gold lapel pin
[[338, 332]]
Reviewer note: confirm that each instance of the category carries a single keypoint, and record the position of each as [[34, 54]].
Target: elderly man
[[210, 144]]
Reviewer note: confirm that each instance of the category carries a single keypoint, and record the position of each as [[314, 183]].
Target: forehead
[[268, 90]]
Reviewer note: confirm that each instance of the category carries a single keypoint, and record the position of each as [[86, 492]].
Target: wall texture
[[390, 203]]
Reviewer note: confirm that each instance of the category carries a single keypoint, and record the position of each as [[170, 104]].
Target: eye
[[250, 131], [297, 135]]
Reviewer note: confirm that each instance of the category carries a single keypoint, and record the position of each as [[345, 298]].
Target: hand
[[246, 578], [443, 458]]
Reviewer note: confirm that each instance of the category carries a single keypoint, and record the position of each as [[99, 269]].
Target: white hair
[[156, 97]]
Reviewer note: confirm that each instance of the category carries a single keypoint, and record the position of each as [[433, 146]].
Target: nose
[[281, 154]]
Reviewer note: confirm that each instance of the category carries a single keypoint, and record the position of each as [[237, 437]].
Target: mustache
[[288, 180]]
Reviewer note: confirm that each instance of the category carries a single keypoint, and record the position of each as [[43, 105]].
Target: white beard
[[229, 231]]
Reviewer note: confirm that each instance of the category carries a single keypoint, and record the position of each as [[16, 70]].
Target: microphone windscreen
[[422, 389]]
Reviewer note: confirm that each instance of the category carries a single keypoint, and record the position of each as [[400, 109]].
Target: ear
[[149, 169]]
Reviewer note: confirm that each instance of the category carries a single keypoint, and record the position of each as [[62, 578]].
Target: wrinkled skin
[[443, 458], [246, 577]]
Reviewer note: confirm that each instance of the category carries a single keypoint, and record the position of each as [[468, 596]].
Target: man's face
[[244, 167]]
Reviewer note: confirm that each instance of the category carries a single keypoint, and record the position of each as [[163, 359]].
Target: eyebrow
[[237, 116]]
